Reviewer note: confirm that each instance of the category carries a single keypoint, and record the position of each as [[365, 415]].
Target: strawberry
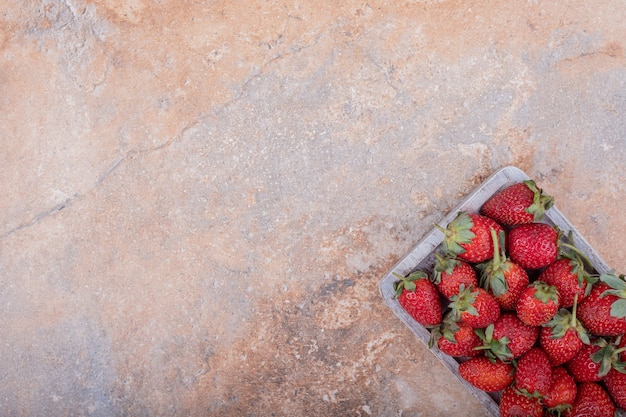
[[537, 304], [420, 298], [615, 383], [593, 361], [603, 311], [508, 338], [486, 374], [474, 307], [562, 392], [533, 245], [534, 373], [450, 273], [515, 404], [591, 401], [468, 237], [570, 278], [457, 341], [517, 204], [562, 337], [501, 277]]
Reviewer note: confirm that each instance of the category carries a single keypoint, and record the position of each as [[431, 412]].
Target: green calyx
[[435, 335], [618, 289], [463, 302], [408, 282], [565, 320], [528, 394], [541, 202], [560, 324], [445, 263], [579, 262], [559, 409], [492, 272], [494, 348], [447, 329], [458, 232], [545, 292], [585, 280], [607, 357]]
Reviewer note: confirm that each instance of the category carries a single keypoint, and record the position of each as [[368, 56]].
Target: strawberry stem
[[573, 322], [577, 252], [496, 250]]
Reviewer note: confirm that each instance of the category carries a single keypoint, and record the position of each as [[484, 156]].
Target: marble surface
[[199, 198]]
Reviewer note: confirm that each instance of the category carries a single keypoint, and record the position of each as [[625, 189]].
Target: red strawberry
[[468, 237], [501, 277], [457, 341], [474, 307], [518, 204], [593, 361], [569, 277], [533, 245], [451, 273], [420, 298], [515, 404], [603, 311], [508, 338], [591, 401], [534, 373], [615, 383], [562, 391], [487, 375], [563, 337], [537, 304]]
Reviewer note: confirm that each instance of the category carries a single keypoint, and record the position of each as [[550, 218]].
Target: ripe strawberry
[[468, 237], [419, 297], [615, 383], [562, 391], [474, 307], [537, 304], [534, 373], [517, 204], [603, 311], [508, 338], [591, 401], [593, 362], [570, 278], [457, 341], [533, 245], [562, 337], [515, 404], [501, 277], [487, 375], [451, 273]]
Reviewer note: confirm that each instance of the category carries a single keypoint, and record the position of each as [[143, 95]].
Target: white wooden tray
[[422, 257]]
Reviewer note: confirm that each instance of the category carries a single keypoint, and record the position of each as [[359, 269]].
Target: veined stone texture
[[199, 198]]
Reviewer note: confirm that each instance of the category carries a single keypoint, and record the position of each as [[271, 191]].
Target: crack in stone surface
[[99, 181], [121, 159], [39, 217]]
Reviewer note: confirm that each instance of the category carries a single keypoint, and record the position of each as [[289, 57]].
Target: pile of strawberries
[[524, 311]]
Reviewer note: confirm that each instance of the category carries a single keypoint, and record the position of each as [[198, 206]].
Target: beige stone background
[[199, 198]]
